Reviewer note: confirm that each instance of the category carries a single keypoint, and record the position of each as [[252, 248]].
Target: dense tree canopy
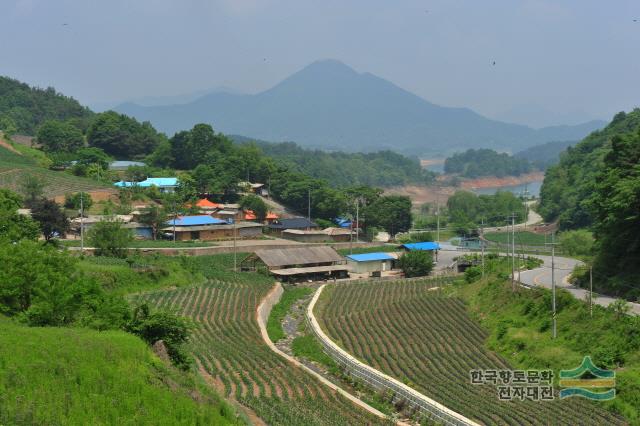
[[391, 213], [467, 210], [568, 185], [122, 136], [341, 169], [474, 163], [13, 226], [29, 107], [59, 136]]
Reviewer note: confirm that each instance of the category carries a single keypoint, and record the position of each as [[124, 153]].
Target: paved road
[[532, 219], [541, 277]]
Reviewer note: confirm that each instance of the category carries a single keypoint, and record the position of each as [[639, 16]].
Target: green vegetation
[[596, 185], [519, 326], [522, 238], [229, 350], [341, 169], [59, 136], [546, 155], [77, 376], [466, 210], [375, 249], [474, 163], [308, 347], [416, 263], [14, 168], [280, 309], [576, 243], [110, 238], [256, 205], [152, 244], [26, 108], [383, 324], [391, 213], [122, 136]]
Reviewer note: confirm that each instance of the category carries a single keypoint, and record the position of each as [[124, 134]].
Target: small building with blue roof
[[168, 184], [423, 246], [370, 262], [207, 228]]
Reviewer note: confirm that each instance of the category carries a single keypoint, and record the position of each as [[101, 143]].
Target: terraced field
[[427, 340], [13, 168], [230, 353]]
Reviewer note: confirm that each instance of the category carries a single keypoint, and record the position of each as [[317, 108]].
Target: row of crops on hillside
[[411, 331], [14, 168], [226, 344]]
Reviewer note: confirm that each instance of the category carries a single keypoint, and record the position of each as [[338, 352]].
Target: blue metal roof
[[195, 221], [370, 257], [426, 245], [159, 182]]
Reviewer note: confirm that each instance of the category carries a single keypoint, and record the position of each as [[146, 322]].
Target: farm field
[[13, 168], [231, 355], [428, 341]]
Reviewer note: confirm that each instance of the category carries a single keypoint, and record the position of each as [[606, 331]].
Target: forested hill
[[340, 169], [474, 163], [597, 185], [545, 155], [568, 185], [25, 108]]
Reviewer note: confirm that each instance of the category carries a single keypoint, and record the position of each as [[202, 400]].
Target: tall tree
[[52, 219], [13, 226], [110, 238], [59, 136], [390, 212], [255, 204], [155, 217], [122, 136]]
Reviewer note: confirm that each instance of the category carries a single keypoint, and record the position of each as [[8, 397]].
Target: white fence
[[378, 380]]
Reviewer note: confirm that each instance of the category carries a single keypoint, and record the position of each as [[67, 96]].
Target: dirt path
[[8, 146]]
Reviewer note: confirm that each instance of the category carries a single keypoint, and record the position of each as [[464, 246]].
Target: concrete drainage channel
[[378, 380], [262, 314]]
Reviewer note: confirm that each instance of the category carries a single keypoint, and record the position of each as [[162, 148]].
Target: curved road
[[541, 276]]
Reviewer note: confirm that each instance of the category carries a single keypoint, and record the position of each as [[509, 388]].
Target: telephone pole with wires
[[513, 251], [553, 283], [591, 291], [482, 244]]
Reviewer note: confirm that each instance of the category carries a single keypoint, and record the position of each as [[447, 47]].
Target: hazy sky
[[579, 59]]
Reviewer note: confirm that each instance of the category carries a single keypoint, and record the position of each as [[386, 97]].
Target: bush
[[72, 201], [110, 238], [416, 263], [576, 243]]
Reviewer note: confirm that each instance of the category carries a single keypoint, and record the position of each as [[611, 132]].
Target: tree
[[59, 136], [7, 126], [72, 201], [53, 222], [110, 238], [122, 136], [576, 243], [32, 187], [255, 204], [156, 217], [162, 325], [13, 226], [192, 147], [390, 212], [416, 263]]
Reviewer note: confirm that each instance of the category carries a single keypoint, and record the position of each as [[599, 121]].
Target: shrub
[[416, 263]]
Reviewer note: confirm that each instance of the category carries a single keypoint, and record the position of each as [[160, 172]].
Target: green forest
[[382, 168], [475, 163], [546, 155], [596, 185]]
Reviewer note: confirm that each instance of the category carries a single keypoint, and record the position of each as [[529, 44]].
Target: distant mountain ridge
[[329, 105]]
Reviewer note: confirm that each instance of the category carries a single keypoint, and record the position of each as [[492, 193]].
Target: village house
[[163, 184], [277, 226], [294, 264], [371, 263], [207, 228]]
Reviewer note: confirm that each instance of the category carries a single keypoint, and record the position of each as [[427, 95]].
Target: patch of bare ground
[[421, 194], [8, 146]]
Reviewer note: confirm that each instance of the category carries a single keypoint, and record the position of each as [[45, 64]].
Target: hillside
[[372, 323], [330, 106], [28, 107], [382, 168], [475, 163], [96, 378], [545, 155], [15, 166]]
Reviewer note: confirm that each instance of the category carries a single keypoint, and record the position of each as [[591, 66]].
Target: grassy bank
[[96, 378], [519, 327], [522, 237], [280, 309]]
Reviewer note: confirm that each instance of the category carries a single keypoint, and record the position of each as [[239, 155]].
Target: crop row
[[226, 344], [426, 339]]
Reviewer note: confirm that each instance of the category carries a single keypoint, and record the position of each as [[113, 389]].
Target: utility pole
[[309, 205], [513, 252], [437, 228], [482, 244], [235, 248], [553, 283], [357, 220], [81, 224], [351, 236], [591, 291], [175, 217]]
